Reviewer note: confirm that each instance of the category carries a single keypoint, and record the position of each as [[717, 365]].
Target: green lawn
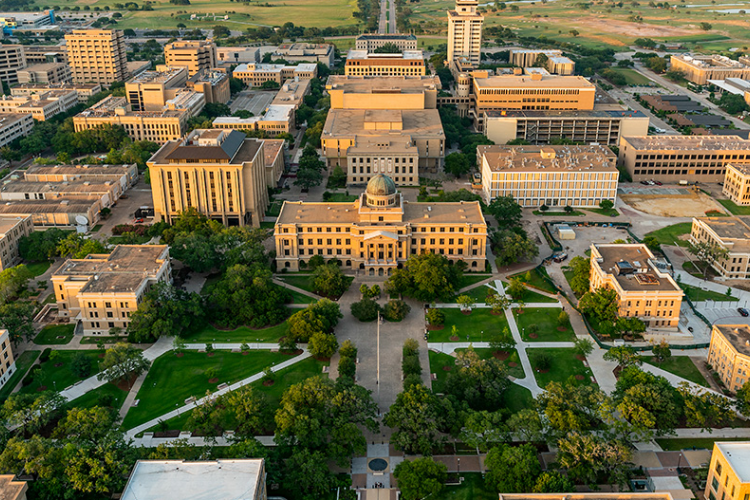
[[342, 198], [50, 333], [518, 398], [96, 228], [61, 377], [682, 366], [568, 273], [564, 365], [267, 225], [545, 320], [471, 488], [91, 398], [671, 234], [211, 334], [698, 294], [437, 361], [38, 268], [734, 208], [479, 293], [530, 296], [125, 240], [304, 282], [299, 298], [171, 380], [632, 77], [480, 320], [537, 280], [107, 339], [691, 443], [274, 208], [23, 363], [470, 279], [612, 212]]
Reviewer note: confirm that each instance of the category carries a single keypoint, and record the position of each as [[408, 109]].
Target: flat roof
[[730, 228], [738, 336], [737, 455], [536, 51], [350, 122], [687, 142], [56, 206], [713, 61], [550, 158], [383, 84], [221, 479], [638, 256], [533, 81], [70, 187], [363, 54], [118, 170], [42, 66], [571, 114], [271, 149], [742, 168], [156, 76], [8, 223], [384, 36]]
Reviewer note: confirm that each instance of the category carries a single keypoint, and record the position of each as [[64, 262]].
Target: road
[[387, 25], [627, 98]]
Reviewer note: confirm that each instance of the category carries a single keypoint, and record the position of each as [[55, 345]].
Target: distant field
[[633, 77]]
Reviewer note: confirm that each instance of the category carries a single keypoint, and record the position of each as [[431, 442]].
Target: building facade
[[306, 52], [7, 359], [643, 290], [350, 92], [273, 149], [54, 72], [195, 55], [465, 32], [372, 41], [255, 75], [554, 61], [12, 59], [729, 355], [41, 106], [731, 234], [737, 183], [102, 291], [12, 229], [556, 176], [727, 473], [97, 56], [237, 55], [83, 91], [13, 126], [379, 232], [220, 173], [124, 175], [408, 63], [699, 68], [213, 84]]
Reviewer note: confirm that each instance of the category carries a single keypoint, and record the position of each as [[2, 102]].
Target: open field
[[55, 335], [478, 326], [682, 366], [211, 334], [672, 205], [633, 78], [56, 374], [676, 233]]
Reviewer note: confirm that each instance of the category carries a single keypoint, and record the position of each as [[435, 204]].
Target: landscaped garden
[[472, 487], [540, 324], [671, 235], [509, 358], [38, 268], [558, 365], [537, 278], [212, 334], [479, 326], [55, 335], [682, 366], [23, 363], [108, 393], [530, 296], [697, 294], [57, 372], [469, 279], [305, 282]]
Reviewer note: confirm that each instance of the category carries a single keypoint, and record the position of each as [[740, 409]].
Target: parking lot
[[255, 101]]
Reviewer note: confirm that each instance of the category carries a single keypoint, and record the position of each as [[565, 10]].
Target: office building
[[237, 55], [255, 75], [729, 356], [737, 183], [10, 489], [53, 72], [643, 290], [40, 54], [182, 480], [465, 32], [673, 158], [195, 55], [278, 119], [151, 90], [11, 21], [372, 41], [107, 193], [729, 470], [60, 213], [102, 291], [553, 60], [41, 106], [362, 63], [220, 173], [395, 92], [12, 60], [731, 234], [124, 175], [556, 176], [97, 56], [699, 68], [13, 126], [213, 84], [305, 52], [84, 91], [542, 127], [378, 232], [12, 229]]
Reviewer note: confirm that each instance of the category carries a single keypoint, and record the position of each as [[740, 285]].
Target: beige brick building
[[12, 60], [7, 369], [701, 68], [41, 106], [255, 75], [728, 474], [13, 126], [362, 63], [124, 175], [60, 213], [465, 32], [101, 292], [273, 150], [53, 72], [729, 355], [737, 183], [12, 229], [556, 63], [380, 231], [306, 52], [12, 489], [97, 56], [84, 91], [643, 290], [349, 92], [372, 41], [213, 84], [556, 176], [731, 234], [195, 55], [220, 173]]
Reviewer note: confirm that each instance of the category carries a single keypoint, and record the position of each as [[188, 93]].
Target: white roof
[[306, 67], [181, 480], [735, 86], [738, 456]]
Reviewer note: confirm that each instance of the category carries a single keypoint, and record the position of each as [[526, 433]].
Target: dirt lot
[[618, 27], [672, 205]]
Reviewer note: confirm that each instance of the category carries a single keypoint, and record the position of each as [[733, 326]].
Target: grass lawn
[[632, 77], [671, 234], [471, 488], [479, 293], [274, 208], [480, 320], [545, 320], [23, 363], [108, 339], [564, 365], [300, 298], [537, 280], [171, 380], [50, 333], [242, 334], [91, 398], [305, 282], [734, 208], [342, 198], [61, 377], [437, 361], [682, 366], [568, 273], [125, 240], [530, 296], [691, 443], [612, 212], [96, 228], [518, 398], [38, 268], [698, 294], [267, 225], [470, 279]]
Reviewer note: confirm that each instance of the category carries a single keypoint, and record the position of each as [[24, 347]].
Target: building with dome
[[378, 232]]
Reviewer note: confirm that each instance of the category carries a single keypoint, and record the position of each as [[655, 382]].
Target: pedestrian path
[[284, 284]]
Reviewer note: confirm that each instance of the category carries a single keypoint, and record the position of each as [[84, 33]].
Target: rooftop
[[222, 146], [6, 224], [110, 105], [76, 170], [57, 206], [10, 489], [535, 81], [710, 61], [379, 36], [393, 144], [42, 67], [350, 122], [7, 119], [384, 84], [553, 158], [687, 142], [77, 187], [738, 457], [739, 337], [732, 228], [304, 49], [626, 263], [271, 149], [157, 76], [742, 168], [292, 91], [278, 112], [220, 479], [363, 54], [547, 52], [584, 114]]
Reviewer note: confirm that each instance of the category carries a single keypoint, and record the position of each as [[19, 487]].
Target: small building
[[643, 290], [554, 61], [41, 106], [407, 63], [237, 55], [60, 213], [729, 470], [729, 355], [124, 175], [7, 369], [10, 489], [564, 232], [306, 52], [13, 126], [372, 41], [699, 69], [12, 229], [84, 91], [51, 72], [212, 83], [731, 234], [393, 92], [737, 183], [278, 119]]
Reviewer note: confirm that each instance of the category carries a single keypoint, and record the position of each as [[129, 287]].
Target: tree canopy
[[426, 277]]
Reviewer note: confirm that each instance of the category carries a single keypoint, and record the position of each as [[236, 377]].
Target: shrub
[[347, 367], [543, 361], [365, 310], [45, 355], [411, 348], [80, 365], [396, 310], [411, 366], [410, 380], [105, 400], [435, 317]]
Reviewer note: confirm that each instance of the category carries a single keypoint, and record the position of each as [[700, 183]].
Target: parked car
[[139, 221], [645, 183], [658, 183], [560, 257], [743, 312]]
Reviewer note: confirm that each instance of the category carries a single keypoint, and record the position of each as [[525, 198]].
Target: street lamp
[[482, 338]]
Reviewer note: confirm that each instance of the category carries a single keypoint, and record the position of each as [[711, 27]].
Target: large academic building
[[380, 231]]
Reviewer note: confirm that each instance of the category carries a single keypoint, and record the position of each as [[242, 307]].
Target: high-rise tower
[[465, 32]]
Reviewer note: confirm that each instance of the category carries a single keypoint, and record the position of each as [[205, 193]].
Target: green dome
[[381, 185]]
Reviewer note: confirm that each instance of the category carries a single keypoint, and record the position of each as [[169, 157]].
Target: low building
[[255, 75], [306, 52], [372, 41], [52, 72], [151, 90], [737, 183], [12, 229], [182, 480], [731, 234], [672, 158], [10, 489], [407, 63], [556, 176], [135, 68], [11, 21], [278, 119], [543, 127], [273, 149], [701, 68], [395, 92], [40, 54], [41, 106], [195, 55], [643, 290], [729, 356], [220, 173], [84, 91], [12, 60], [237, 55], [292, 92], [19, 190], [61, 213], [102, 291], [553, 60], [396, 156], [13, 126], [124, 175], [378, 232], [213, 84], [728, 471]]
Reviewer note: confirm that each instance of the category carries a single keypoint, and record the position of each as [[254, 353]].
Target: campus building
[[700, 158], [556, 176], [273, 149], [731, 234], [185, 480], [728, 474], [701, 68], [12, 229], [124, 175], [237, 55], [372, 41], [195, 55], [40, 54], [407, 63], [278, 119], [643, 290], [729, 355], [554, 61], [84, 91], [395, 92], [11, 21], [97, 56], [7, 360], [12, 489], [220, 173], [151, 90], [102, 291], [737, 183], [41, 106], [64, 213], [305, 52], [465, 32], [52, 72], [378, 232], [542, 127], [12, 59], [255, 75], [13, 126], [213, 84]]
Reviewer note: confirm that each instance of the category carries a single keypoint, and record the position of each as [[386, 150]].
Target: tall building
[[465, 32], [728, 472], [372, 41], [97, 56], [12, 59], [729, 355], [731, 234], [12, 229], [195, 55], [362, 63], [220, 173], [380, 231]]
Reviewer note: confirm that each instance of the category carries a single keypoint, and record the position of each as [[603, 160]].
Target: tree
[[516, 288], [435, 317], [322, 345], [319, 317], [12, 281], [365, 310], [646, 401], [503, 341], [479, 382], [581, 271], [40, 245], [248, 409], [497, 302], [86, 425], [80, 365], [414, 417], [661, 351], [624, 356], [506, 211], [387, 48], [165, 310], [465, 302], [307, 178], [426, 277], [586, 456], [706, 26], [541, 60], [329, 281], [656, 64], [574, 33], [606, 205], [731, 104], [569, 407], [707, 253], [705, 409], [553, 482], [31, 412], [17, 317], [420, 478], [396, 310], [601, 304], [457, 164], [308, 471], [337, 177], [77, 246], [221, 31], [584, 347], [122, 362], [511, 247], [563, 320], [512, 469]]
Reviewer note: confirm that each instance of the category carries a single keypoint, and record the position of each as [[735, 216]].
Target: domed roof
[[381, 185]]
